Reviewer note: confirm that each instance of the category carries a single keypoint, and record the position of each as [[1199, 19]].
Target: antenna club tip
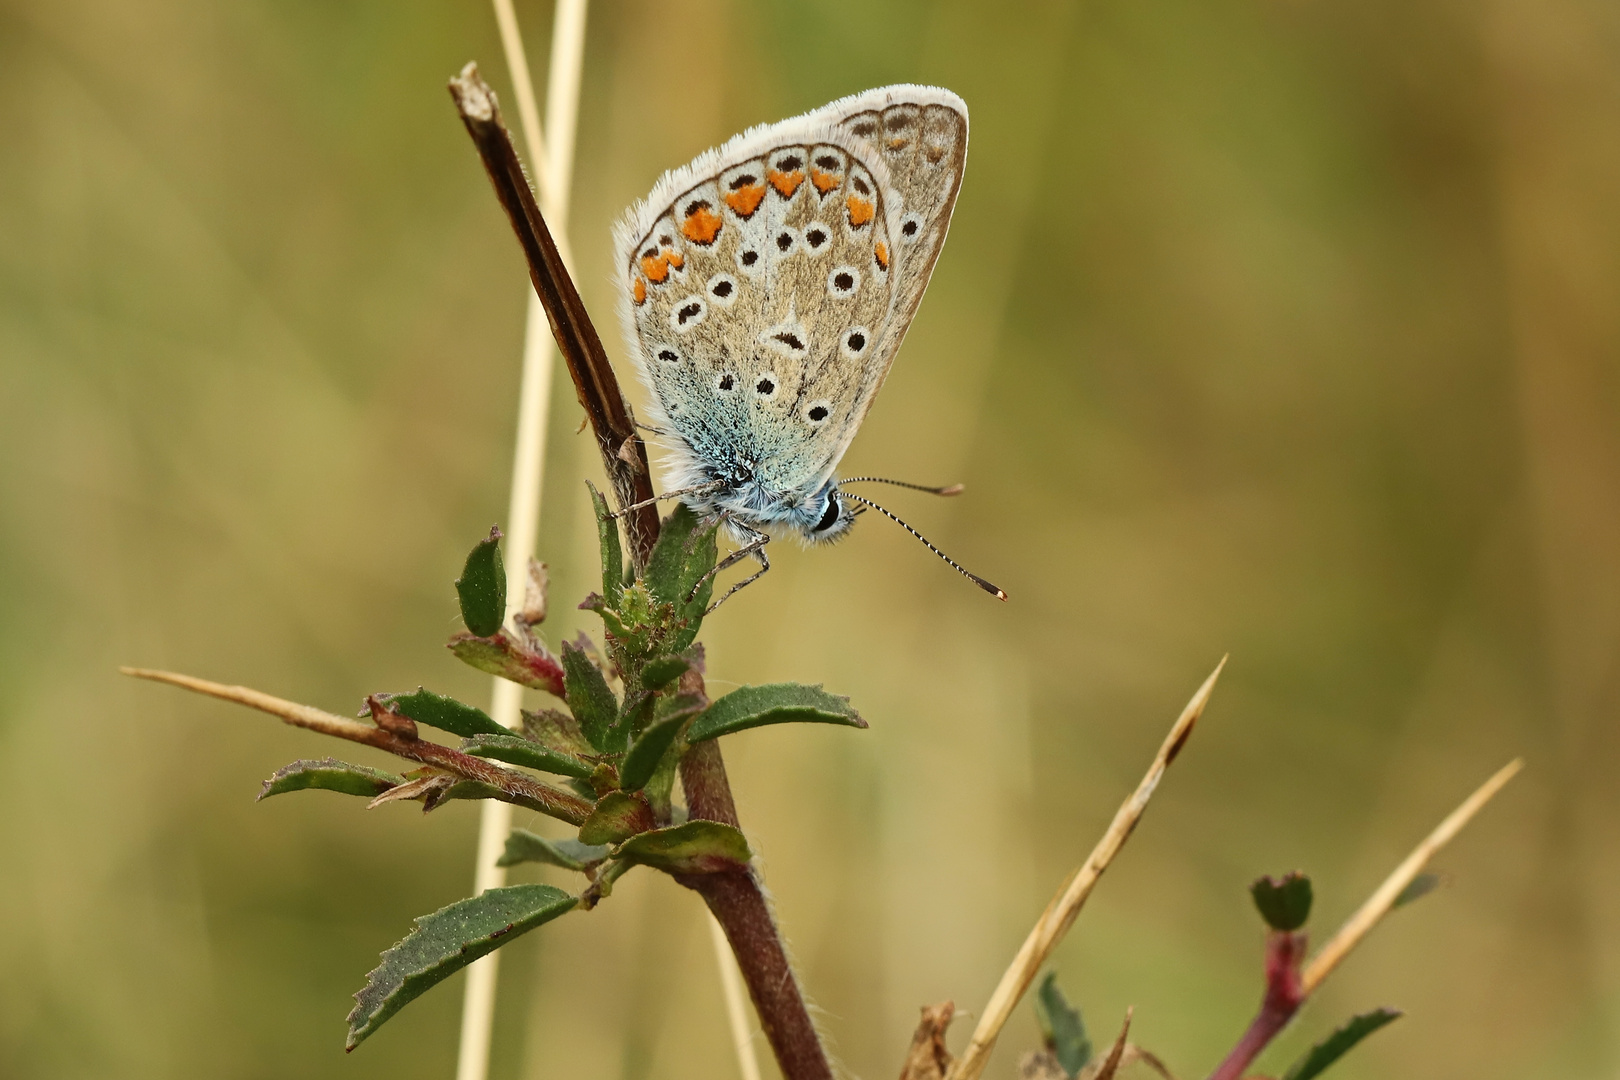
[[955, 489]]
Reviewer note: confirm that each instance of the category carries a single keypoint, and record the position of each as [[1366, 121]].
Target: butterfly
[[766, 288]]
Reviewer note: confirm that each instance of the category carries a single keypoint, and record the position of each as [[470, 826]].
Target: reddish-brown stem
[[735, 897], [623, 454], [1285, 992]]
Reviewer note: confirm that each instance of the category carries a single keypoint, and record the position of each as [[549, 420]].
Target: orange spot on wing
[[656, 267], [860, 211], [638, 292], [785, 183], [882, 254], [897, 144], [745, 200], [675, 259], [702, 225], [824, 182]]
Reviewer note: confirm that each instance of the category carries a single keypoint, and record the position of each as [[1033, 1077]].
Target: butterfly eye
[[829, 516]]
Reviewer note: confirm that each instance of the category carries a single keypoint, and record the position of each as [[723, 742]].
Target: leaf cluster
[[626, 713]]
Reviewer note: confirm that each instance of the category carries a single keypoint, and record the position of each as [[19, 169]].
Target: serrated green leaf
[[592, 702], [516, 750], [524, 846], [509, 658], [447, 941], [1285, 903], [1332, 1048], [556, 729], [682, 556], [482, 587], [649, 749], [1416, 889], [697, 847], [607, 532], [329, 774], [617, 817], [444, 713], [1062, 1027], [776, 703], [660, 671]]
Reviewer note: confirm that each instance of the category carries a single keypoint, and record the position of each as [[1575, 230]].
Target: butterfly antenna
[[948, 489], [958, 567]]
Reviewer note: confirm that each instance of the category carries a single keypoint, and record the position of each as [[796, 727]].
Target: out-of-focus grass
[[1280, 328]]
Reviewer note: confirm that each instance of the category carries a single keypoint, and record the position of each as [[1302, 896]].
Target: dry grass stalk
[[1380, 903], [1065, 906]]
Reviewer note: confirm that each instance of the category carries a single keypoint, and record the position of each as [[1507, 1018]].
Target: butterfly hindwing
[[768, 284]]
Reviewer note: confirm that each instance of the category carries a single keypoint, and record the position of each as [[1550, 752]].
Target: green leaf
[[557, 730], [446, 714], [617, 817], [660, 671], [642, 760], [592, 703], [447, 941], [1416, 889], [516, 750], [1062, 1027], [1285, 903], [505, 656], [1333, 1047], [697, 847], [679, 560], [525, 846], [329, 774], [607, 532], [482, 587], [777, 703]]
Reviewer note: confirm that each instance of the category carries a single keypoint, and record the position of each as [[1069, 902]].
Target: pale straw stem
[[1383, 900], [1060, 913], [731, 986], [528, 463]]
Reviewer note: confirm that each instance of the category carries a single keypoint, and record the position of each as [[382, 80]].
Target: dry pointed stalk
[[1379, 904], [1060, 913], [516, 787], [928, 1059], [1110, 1064]]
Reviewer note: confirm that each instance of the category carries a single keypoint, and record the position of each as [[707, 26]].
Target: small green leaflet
[[482, 587], [330, 774], [524, 846], [592, 703], [1285, 903], [1061, 1026], [444, 713], [447, 941], [1333, 1047], [777, 703], [697, 847], [516, 750]]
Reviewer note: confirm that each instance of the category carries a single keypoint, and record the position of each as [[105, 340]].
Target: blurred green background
[[1278, 327]]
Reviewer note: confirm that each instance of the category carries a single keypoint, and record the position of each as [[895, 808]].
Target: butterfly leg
[[754, 547]]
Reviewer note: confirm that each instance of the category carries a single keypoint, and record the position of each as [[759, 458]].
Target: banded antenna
[[958, 567]]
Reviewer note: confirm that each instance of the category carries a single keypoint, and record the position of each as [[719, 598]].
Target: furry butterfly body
[[766, 288]]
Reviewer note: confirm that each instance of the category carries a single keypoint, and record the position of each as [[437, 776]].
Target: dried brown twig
[[515, 787]]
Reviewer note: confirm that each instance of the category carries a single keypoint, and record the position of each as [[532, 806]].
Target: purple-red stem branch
[[1285, 993]]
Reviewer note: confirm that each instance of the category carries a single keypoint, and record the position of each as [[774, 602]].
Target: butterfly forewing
[[768, 284]]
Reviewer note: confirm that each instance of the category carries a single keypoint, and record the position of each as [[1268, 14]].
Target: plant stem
[[736, 898], [1284, 994], [624, 455]]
